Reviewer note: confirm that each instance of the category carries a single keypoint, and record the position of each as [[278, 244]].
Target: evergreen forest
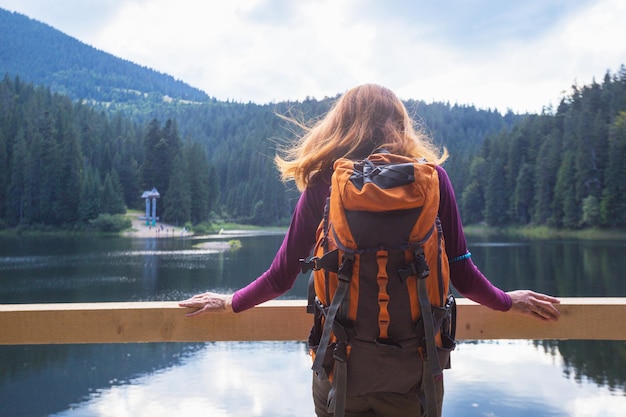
[[83, 134], [63, 163], [565, 169]]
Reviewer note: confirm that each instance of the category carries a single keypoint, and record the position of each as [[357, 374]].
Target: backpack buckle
[[407, 271], [344, 272], [308, 264], [421, 266], [418, 266], [340, 353]]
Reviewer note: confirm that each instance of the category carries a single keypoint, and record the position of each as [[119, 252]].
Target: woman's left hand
[[534, 304], [208, 302]]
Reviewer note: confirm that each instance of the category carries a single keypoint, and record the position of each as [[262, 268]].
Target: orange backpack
[[380, 282]]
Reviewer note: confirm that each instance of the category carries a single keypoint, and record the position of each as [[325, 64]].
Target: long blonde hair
[[365, 118]]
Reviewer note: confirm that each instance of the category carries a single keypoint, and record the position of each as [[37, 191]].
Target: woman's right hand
[[208, 302]]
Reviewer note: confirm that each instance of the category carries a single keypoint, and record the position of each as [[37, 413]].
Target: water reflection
[[569, 268], [273, 379], [43, 380], [223, 379], [601, 361], [581, 378], [516, 378]]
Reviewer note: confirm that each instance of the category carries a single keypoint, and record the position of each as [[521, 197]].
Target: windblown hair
[[364, 119]]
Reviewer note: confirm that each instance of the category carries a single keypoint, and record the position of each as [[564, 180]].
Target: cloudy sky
[[522, 55]]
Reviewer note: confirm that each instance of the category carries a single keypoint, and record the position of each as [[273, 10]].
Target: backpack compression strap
[[431, 362], [339, 389]]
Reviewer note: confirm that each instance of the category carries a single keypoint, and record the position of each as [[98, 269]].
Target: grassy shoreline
[[528, 232], [544, 232], [474, 230]]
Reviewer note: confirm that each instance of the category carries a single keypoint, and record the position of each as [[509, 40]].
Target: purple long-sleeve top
[[300, 240]]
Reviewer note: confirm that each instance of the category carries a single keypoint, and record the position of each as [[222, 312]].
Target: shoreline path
[[224, 240], [160, 230]]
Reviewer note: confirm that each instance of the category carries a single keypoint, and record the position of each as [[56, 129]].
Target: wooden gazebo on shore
[[151, 202]]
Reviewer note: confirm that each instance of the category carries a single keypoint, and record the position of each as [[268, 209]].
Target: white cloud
[[74, 17], [519, 55]]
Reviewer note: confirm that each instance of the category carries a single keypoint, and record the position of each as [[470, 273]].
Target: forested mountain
[[76, 143], [42, 55]]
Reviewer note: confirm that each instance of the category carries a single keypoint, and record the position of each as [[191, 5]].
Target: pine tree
[[496, 194], [523, 196], [17, 191], [473, 196], [70, 170], [150, 168], [613, 203], [549, 157], [111, 199], [566, 212], [178, 202], [161, 147], [4, 174], [213, 189], [126, 166], [198, 178], [90, 191]]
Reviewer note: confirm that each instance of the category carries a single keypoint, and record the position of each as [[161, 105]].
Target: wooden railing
[[582, 318]]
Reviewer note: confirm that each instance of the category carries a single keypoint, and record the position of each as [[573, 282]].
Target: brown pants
[[376, 404]]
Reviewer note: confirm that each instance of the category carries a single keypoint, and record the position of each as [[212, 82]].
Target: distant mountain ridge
[[38, 53]]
